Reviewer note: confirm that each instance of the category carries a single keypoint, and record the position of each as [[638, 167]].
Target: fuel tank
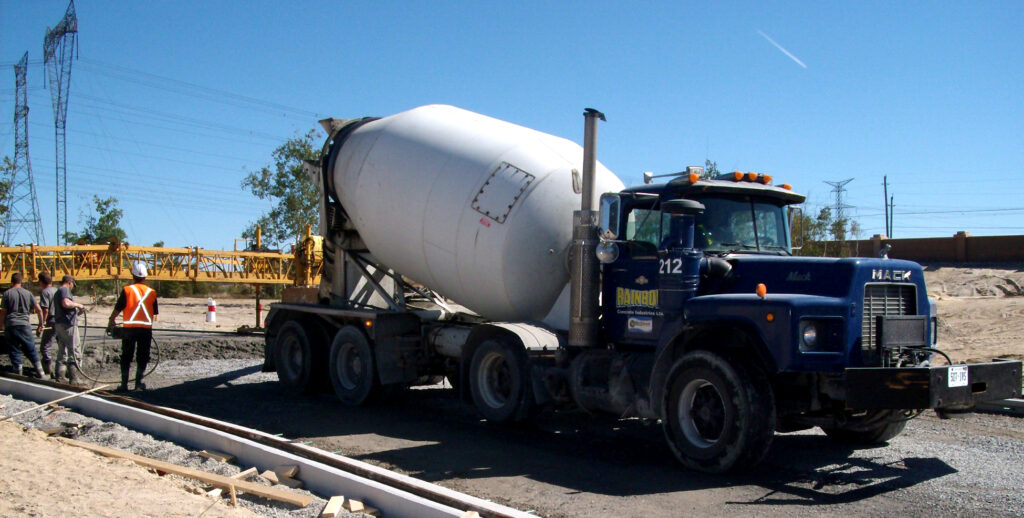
[[476, 208]]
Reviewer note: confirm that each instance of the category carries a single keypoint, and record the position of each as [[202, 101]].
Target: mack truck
[[461, 246]]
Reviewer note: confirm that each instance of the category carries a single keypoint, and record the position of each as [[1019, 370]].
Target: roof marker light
[[787, 187], [751, 176], [693, 178], [766, 179], [737, 176]]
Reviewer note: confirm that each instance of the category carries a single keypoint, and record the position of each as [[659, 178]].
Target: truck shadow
[[431, 435]]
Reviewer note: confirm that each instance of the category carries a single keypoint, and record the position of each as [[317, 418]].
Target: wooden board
[[284, 481], [216, 455], [203, 476], [357, 506], [286, 471], [333, 507], [241, 475]]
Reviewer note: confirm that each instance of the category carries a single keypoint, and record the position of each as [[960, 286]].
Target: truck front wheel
[[499, 383], [293, 356], [718, 414], [351, 367]]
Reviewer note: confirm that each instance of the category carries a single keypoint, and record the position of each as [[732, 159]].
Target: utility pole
[[892, 212], [22, 204], [59, 47], [885, 201]]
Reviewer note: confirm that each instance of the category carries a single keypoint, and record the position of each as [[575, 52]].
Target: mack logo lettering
[[625, 297], [890, 275], [799, 277]]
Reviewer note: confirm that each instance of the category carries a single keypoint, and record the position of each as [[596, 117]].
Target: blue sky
[[171, 103]]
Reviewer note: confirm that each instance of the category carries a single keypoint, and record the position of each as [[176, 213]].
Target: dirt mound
[[987, 281]]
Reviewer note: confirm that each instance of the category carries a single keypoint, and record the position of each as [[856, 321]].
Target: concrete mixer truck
[[462, 246]]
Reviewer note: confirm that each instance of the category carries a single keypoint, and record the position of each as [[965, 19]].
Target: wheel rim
[[701, 413], [350, 366], [292, 355], [495, 380]]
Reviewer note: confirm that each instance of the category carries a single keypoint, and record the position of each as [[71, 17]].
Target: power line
[[22, 204]]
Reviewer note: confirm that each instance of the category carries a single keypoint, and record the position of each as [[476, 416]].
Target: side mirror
[[609, 220], [796, 239]]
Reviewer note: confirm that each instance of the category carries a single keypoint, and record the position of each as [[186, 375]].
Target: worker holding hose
[[65, 326], [138, 308]]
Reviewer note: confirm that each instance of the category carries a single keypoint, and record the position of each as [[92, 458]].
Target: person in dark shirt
[[138, 308], [65, 323], [46, 352], [15, 306]]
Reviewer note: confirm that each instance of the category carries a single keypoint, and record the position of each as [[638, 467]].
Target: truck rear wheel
[[293, 357], [869, 435], [351, 367], [499, 383], [719, 415]]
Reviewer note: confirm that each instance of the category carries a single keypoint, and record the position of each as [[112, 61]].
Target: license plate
[[958, 376]]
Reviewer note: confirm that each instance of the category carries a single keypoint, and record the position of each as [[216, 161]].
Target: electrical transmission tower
[[58, 49], [839, 208], [22, 223]]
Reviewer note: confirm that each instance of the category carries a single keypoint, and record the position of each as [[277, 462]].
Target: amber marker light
[[787, 187], [693, 178], [770, 317], [766, 179], [368, 323], [737, 175], [752, 176], [762, 290]]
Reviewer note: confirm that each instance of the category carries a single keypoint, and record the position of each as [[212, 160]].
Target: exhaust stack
[[583, 287]]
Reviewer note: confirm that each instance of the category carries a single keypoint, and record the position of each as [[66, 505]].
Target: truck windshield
[[741, 224]]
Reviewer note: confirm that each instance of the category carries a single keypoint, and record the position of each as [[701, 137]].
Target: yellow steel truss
[[95, 262]]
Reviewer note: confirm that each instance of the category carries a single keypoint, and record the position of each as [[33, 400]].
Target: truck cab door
[[630, 310]]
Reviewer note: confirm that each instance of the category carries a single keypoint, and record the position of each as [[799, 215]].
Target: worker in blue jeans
[[16, 304]]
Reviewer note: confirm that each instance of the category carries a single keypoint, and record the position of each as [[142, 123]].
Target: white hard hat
[[139, 269]]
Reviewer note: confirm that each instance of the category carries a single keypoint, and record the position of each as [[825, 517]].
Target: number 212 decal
[[668, 266]]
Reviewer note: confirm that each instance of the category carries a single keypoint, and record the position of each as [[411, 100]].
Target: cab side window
[[644, 227]]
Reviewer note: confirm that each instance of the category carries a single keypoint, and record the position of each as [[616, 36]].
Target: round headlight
[[809, 336], [607, 252]]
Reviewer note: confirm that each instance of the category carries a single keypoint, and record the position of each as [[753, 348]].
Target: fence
[[960, 248]]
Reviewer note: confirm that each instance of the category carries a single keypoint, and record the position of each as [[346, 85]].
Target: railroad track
[[395, 494]]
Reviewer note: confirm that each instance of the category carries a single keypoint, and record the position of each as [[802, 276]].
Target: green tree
[[821, 235], [102, 224], [294, 199], [710, 169]]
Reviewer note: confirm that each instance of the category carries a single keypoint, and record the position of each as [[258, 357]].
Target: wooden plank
[[52, 431], [357, 506], [37, 407], [333, 507], [271, 476], [203, 476], [286, 471], [216, 455], [241, 475]]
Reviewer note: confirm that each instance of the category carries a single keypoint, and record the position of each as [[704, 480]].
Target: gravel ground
[[972, 466], [115, 436]]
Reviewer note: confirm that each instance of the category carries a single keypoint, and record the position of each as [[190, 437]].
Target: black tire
[[719, 414], [499, 383], [351, 368], [295, 359], [870, 436]]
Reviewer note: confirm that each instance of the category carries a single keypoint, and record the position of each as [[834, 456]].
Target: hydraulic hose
[[103, 341]]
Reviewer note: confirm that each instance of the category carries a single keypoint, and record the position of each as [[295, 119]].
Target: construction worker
[[137, 303], [46, 292], [65, 326], [15, 305]]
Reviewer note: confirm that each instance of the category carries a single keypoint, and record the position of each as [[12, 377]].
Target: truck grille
[[884, 299]]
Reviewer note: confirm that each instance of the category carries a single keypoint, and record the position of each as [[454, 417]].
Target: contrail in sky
[[784, 51]]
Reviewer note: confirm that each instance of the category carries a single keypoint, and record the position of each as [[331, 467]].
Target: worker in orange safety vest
[[138, 308]]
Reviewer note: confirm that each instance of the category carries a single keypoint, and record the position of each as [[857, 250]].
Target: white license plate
[[958, 376]]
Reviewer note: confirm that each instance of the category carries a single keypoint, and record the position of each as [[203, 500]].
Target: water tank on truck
[[476, 208]]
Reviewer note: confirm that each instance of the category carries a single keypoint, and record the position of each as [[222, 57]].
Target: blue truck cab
[[735, 338]]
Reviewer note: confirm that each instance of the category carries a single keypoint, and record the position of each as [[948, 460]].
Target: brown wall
[[961, 248]]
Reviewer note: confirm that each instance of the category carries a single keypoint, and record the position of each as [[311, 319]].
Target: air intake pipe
[[584, 276]]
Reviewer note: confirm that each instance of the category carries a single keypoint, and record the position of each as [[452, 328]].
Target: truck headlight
[[808, 336]]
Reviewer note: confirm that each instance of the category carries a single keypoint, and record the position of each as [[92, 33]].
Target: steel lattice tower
[[58, 49], [22, 205], [839, 190]]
